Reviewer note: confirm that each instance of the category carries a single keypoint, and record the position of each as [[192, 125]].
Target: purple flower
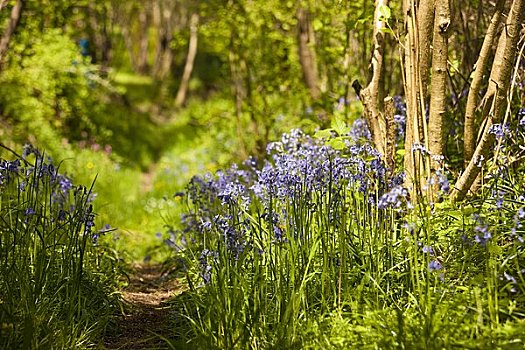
[[521, 116], [428, 249], [421, 148], [499, 131], [434, 265], [360, 130], [394, 199], [444, 185]]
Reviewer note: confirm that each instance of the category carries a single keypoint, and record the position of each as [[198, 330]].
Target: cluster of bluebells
[[300, 169], [360, 131], [481, 231], [500, 131], [38, 181], [400, 116], [395, 198], [206, 259]]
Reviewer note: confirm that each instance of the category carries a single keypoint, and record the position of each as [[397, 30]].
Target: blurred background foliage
[[94, 83], [112, 88]]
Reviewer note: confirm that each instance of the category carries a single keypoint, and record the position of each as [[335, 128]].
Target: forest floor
[[147, 318]]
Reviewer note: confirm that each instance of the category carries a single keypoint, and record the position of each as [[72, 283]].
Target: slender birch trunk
[[480, 70], [494, 102], [425, 28], [413, 162], [307, 57], [370, 94], [190, 60], [438, 102]]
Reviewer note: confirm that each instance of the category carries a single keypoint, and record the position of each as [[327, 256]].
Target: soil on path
[[147, 318]]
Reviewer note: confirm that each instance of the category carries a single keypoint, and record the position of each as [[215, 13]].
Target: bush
[[49, 92]]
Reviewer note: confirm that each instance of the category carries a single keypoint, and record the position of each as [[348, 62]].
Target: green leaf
[[384, 13], [339, 126], [337, 144], [386, 30], [317, 24], [323, 134]]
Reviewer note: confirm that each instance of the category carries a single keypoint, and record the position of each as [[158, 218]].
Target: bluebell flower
[[521, 116], [360, 130], [444, 184], [509, 278], [400, 105], [499, 131], [394, 198], [418, 147], [428, 249], [434, 265], [206, 267], [483, 235], [30, 149]]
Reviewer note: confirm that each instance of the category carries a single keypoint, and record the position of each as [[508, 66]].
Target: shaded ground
[[147, 317]]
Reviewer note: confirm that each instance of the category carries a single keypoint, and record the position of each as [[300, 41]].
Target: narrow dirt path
[[147, 319]]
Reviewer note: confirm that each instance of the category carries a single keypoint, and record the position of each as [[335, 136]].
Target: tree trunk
[[370, 94], [494, 102], [307, 57], [190, 60], [477, 81], [16, 11], [438, 103], [143, 31], [238, 91], [415, 124], [425, 22]]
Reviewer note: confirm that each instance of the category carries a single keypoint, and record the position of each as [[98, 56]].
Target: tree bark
[[307, 57], [495, 100], [16, 12], [415, 124], [438, 102], [480, 70], [190, 60], [425, 23], [370, 94]]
